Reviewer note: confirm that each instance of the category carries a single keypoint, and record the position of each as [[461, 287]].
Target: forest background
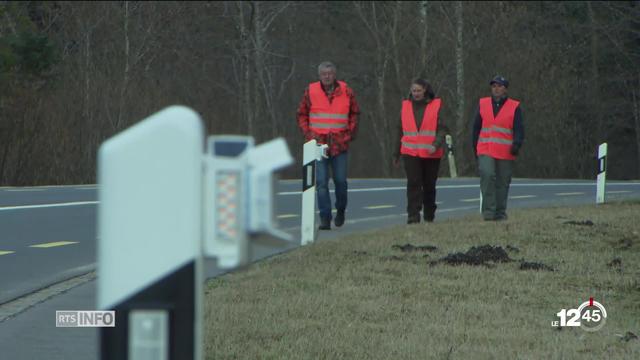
[[73, 74]]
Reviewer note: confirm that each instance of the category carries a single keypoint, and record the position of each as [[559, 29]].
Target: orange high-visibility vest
[[420, 143], [325, 117], [496, 136]]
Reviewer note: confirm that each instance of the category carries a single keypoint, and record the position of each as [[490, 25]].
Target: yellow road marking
[[570, 193], [470, 200], [521, 196], [6, 252], [374, 207], [286, 216], [53, 244]]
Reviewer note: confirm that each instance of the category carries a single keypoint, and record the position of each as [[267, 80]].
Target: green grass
[[357, 298]]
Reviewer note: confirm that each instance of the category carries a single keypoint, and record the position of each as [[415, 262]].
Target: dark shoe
[[325, 224], [501, 217], [429, 218], [339, 220], [413, 220]]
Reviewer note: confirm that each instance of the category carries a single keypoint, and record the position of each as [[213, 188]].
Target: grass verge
[[360, 297]]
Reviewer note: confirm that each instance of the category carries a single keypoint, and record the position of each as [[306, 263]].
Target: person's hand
[[515, 149], [396, 161]]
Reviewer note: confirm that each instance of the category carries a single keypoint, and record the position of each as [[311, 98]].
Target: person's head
[[327, 73], [499, 86], [421, 89]]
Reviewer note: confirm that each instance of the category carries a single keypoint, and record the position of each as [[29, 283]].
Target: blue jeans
[[338, 165]]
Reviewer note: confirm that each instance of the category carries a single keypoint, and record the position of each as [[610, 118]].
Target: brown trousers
[[422, 175]]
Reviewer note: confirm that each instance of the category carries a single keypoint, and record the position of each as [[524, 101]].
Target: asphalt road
[[49, 235]]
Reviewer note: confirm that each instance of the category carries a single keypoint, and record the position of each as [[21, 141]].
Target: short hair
[[428, 89], [326, 65]]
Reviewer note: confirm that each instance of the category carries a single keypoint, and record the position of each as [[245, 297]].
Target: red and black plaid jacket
[[338, 142]]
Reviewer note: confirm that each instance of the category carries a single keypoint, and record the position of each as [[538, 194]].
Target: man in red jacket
[[328, 112]]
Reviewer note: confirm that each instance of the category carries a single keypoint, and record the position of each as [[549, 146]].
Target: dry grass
[[357, 298]]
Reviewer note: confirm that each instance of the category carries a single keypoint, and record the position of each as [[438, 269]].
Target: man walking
[[498, 135], [328, 112]]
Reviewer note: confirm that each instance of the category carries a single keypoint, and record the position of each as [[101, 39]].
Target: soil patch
[[580, 223], [413, 248], [524, 265], [477, 255]]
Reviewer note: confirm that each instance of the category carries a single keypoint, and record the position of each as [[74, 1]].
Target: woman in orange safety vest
[[420, 140]]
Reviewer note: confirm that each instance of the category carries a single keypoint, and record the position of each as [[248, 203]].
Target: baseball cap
[[500, 80]]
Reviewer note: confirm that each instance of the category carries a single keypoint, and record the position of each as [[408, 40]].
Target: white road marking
[[375, 207], [53, 244], [522, 196], [25, 189], [22, 207]]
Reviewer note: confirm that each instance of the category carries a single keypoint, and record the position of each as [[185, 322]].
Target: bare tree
[[460, 95], [381, 21]]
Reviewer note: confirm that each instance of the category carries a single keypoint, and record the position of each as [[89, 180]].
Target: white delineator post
[[602, 174], [149, 230], [452, 160], [311, 154]]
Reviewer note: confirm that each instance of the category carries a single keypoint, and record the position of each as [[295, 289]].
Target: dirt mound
[[626, 242], [412, 248], [512, 248], [524, 265], [392, 258], [488, 255], [477, 255], [581, 223]]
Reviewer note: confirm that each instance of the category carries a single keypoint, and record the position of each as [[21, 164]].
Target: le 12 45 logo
[[590, 316]]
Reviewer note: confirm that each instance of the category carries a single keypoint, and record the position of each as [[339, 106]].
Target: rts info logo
[[590, 316], [82, 318]]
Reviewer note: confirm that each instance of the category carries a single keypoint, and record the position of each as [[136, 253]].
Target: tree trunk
[[460, 122], [125, 75], [423, 38], [636, 117], [246, 105]]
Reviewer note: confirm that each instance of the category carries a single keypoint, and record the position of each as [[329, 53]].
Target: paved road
[[48, 235]]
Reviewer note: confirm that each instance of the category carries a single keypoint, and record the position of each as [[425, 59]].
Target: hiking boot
[[325, 224], [339, 220]]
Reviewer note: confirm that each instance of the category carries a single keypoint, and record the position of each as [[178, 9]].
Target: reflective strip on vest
[[328, 116], [419, 146], [495, 140], [421, 133], [498, 129], [327, 126]]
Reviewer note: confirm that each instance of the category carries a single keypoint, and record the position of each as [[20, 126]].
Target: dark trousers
[[422, 175]]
